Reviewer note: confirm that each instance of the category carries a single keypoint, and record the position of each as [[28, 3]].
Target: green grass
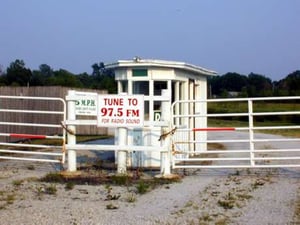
[[97, 177], [120, 179], [239, 123], [10, 198], [51, 189], [225, 123], [142, 187], [258, 106], [53, 177], [236, 123], [131, 198], [69, 186], [17, 183], [259, 121]]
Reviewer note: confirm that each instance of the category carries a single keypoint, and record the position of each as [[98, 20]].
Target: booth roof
[[138, 62]]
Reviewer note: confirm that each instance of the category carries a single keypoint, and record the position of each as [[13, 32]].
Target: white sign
[[86, 104], [120, 111]]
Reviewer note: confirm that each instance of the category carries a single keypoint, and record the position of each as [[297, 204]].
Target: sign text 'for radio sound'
[[120, 111]]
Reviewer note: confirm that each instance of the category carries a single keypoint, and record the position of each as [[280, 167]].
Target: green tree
[[2, 77], [18, 74], [243, 93], [40, 77], [86, 80], [1, 70], [110, 84], [98, 69], [64, 78], [46, 70], [259, 85], [37, 79], [103, 78], [290, 85], [229, 82]]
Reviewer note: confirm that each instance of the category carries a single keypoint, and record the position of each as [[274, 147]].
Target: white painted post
[[177, 98], [251, 132], [122, 154], [201, 110], [165, 166], [71, 138]]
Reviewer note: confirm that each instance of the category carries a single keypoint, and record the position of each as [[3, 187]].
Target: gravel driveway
[[204, 196]]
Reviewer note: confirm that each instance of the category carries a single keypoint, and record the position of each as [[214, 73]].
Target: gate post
[[251, 132], [165, 166], [71, 138], [122, 154]]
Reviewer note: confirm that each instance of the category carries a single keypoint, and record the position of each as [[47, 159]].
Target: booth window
[[139, 73], [159, 86]]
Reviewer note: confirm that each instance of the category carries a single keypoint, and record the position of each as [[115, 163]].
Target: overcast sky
[[260, 36]]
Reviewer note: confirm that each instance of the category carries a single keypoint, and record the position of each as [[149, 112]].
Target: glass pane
[[141, 87]]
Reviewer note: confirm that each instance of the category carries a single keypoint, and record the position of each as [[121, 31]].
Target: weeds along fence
[[8, 105]]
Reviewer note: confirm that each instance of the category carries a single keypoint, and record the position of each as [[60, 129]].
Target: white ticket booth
[[152, 78]]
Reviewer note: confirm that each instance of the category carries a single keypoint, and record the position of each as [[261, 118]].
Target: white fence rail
[[18, 112], [238, 138], [245, 145]]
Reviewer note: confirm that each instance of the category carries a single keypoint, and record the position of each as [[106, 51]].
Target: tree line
[[253, 85], [227, 85], [17, 74]]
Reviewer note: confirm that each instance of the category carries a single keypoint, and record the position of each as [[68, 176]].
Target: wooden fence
[[43, 91]]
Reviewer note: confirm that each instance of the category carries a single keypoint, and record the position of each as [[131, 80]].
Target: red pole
[[215, 129], [28, 136]]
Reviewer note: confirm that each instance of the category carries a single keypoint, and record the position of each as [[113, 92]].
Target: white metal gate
[[238, 136], [24, 119]]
